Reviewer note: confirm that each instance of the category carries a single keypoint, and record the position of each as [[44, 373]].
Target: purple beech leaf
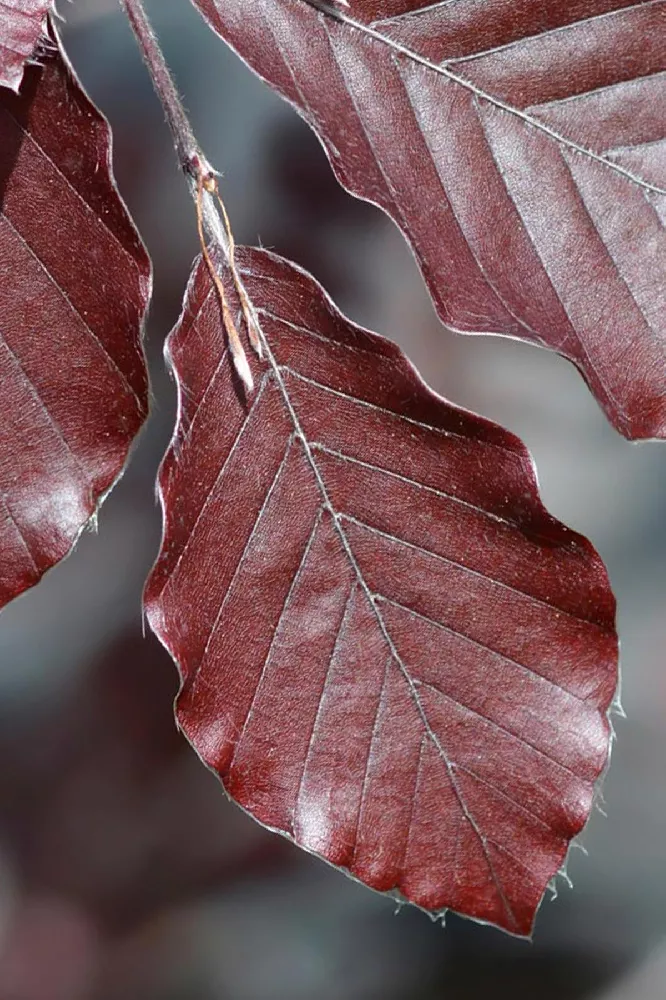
[[520, 145], [389, 651], [22, 27], [75, 282]]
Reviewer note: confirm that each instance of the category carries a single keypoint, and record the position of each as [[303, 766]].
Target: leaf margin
[[144, 265], [529, 472]]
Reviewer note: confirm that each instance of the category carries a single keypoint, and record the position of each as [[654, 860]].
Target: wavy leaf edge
[[144, 267], [152, 616], [632, 426]]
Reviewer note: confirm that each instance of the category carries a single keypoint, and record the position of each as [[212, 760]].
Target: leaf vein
[[241, 562], [19, 531], [377, 613], [278, 625], [497, 725], [340, 636], [468, 569], [53, 424], [442, 70], [86, 326], [482, 645], [368, 759], [209, 495], [514, 802], [68, 184]]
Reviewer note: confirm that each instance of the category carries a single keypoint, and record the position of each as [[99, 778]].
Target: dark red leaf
[[74, 286], [389, 651], [22, 25], [519, 145]]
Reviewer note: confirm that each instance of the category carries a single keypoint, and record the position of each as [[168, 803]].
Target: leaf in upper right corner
[[22, 27], [389, 651], [520, 145]]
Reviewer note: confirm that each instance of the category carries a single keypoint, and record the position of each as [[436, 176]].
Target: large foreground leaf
[[22, 25], [74, 285], [389, 651], [520, 146]]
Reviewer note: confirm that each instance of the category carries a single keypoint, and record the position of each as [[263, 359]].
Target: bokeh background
[[125, 874]]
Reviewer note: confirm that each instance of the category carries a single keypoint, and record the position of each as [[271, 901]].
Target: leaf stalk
[[212, 217]]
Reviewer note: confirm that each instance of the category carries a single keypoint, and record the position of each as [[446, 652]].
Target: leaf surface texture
[[389, 651], [74, 285], [521, 148]]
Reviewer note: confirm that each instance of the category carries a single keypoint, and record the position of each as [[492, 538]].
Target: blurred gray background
[[124, 872]]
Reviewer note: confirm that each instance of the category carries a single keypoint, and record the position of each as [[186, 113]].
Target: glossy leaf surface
[[22, 26], [389, 651], [520, 146], [74, 286]]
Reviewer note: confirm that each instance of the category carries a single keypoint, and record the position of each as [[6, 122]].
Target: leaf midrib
[[365, 589]]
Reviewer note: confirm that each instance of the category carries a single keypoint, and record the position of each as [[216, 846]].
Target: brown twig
[[242, 294], [235, 345], [203, 185]]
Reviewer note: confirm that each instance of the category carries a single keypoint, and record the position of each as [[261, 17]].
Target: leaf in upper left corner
[[75, 282], [22, 25]]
